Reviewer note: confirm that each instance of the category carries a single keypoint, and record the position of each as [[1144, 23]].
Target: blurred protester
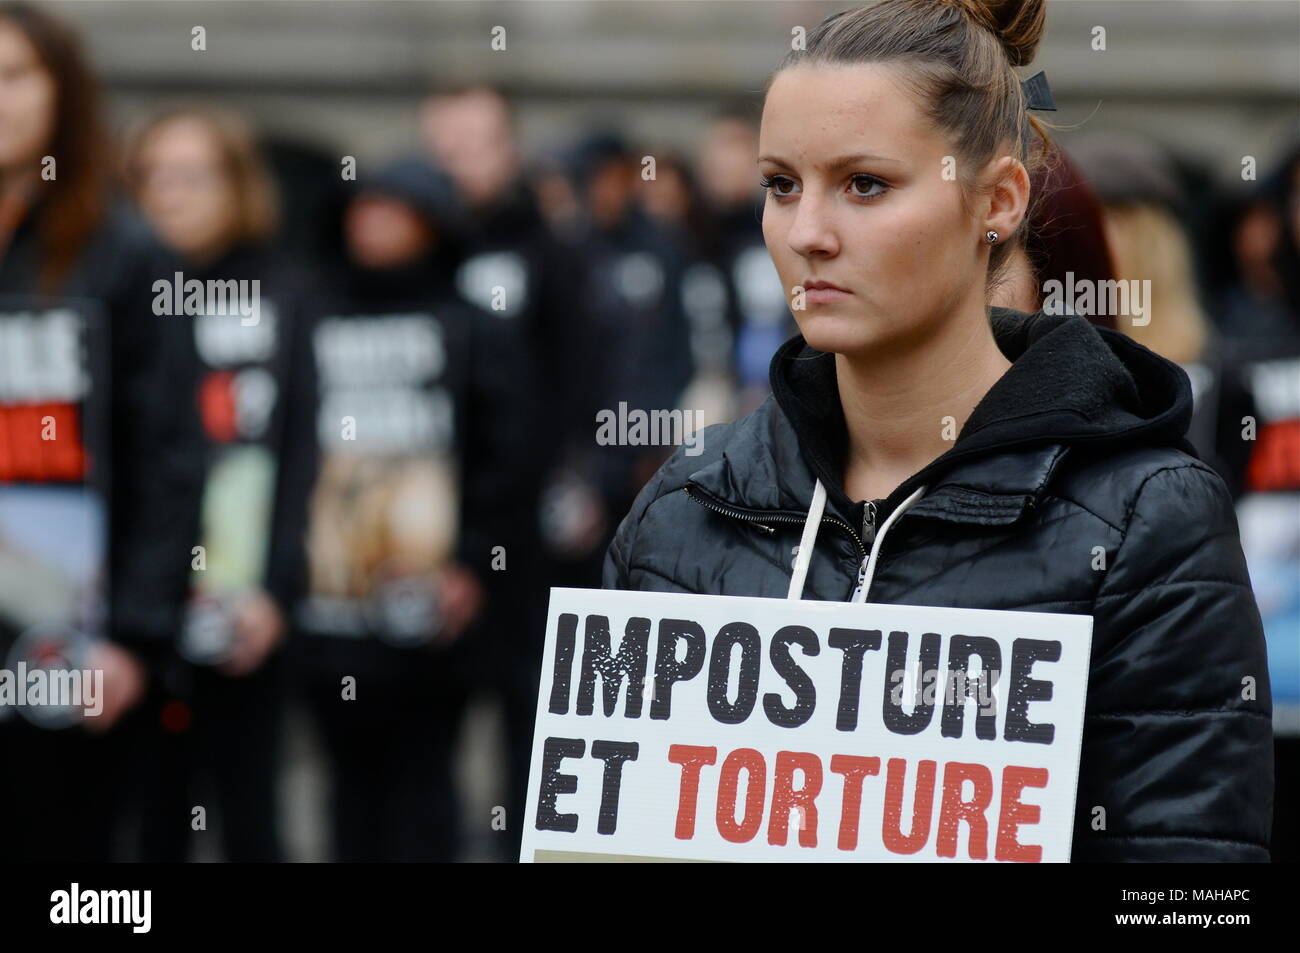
[[522, 279], [638, 354], [1260, 308], [1065, 239], [310, 195], [557, 199], [672, 199], [100, 449], [759, 316], [1260, 317], [201, 182], [1143, 201], [420, 450]]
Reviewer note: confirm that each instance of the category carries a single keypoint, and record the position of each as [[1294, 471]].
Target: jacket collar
[[995, 489], [1069, 383]]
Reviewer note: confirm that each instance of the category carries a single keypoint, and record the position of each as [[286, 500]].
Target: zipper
[[869, 521], [760, 516], [870, 511]]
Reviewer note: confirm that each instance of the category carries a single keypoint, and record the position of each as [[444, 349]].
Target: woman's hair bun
[[1018, 24]]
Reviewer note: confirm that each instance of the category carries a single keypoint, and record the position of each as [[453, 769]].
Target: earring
[[991, 236]]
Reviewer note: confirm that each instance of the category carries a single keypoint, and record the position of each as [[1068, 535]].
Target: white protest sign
[[697, 727]]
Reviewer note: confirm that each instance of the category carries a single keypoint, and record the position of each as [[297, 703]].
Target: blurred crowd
[[349, 484]]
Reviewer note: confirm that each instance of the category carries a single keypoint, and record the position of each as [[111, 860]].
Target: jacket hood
[[1070, 385]]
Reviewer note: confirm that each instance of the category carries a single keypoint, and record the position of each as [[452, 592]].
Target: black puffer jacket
[[1079, 444]]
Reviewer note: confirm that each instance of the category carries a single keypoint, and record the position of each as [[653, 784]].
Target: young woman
[[1069, 486], [98, 511], [200, 180]]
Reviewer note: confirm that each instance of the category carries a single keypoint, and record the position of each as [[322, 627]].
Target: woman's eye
[[776, 184], [868, 182]]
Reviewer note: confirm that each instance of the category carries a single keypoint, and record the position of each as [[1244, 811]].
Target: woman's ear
[[1008, 198]]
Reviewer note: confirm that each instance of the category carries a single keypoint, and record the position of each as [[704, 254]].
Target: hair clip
[[1037, 94]]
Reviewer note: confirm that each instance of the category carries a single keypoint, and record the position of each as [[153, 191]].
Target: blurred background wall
[[1216, 79]]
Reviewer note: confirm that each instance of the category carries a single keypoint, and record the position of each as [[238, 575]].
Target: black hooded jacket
[[1077, 450], [138, 421]]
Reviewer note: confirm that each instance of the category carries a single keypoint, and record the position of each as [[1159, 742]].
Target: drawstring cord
[[804, 557], [806, 542]]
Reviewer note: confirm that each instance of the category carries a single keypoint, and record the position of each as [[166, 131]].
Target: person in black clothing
[[756, 308], [921, 448], [1260, 321], [632, 302], [419, 456], [673, 200], [200, 181], [523, 279], [101, 469]]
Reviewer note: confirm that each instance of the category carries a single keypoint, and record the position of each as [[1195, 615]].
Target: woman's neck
[[896, 404]]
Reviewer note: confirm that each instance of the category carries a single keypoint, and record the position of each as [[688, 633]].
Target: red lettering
[[854, 769], [953, 810], [1013, 813], [785, 798], [692, 758], [755, 795], [955, 805], [892, 832]]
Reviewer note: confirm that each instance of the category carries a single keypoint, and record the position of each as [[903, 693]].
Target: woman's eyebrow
[[836, 164]]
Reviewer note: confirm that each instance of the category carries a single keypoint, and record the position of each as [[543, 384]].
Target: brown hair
[[75, 199], [256, 215], [956, 57]]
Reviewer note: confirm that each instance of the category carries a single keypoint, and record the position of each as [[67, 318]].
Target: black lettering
[[805, 694], [553, 784], [565, 636], [1024, 689], [613, 753], [668, 669], [960, 650], [854, 643], [751, 651], [922, 711], [630, 662]]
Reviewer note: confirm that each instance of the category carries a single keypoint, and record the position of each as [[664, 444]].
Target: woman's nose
[[812, 232]]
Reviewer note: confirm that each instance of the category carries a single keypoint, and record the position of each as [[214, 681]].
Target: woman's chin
[[842, 333]]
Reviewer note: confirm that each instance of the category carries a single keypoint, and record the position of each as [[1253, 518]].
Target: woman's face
[[185, 191], [27, 97], [859, 198]]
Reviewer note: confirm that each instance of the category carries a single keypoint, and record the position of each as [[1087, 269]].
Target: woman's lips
[[823, 292]]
